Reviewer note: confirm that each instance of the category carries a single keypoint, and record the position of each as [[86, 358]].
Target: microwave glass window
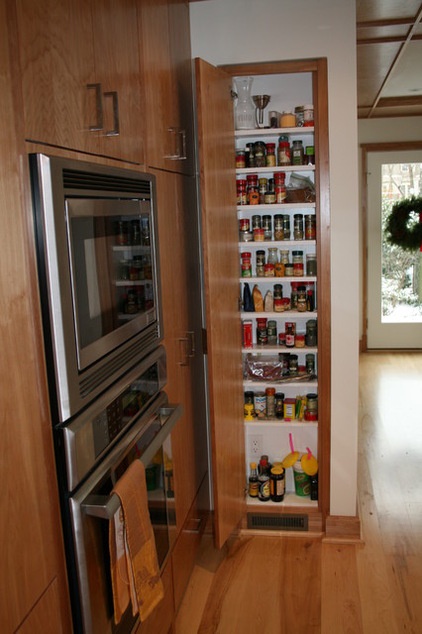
[[112, 273]]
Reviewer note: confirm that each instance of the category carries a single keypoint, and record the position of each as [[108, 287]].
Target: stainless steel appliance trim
[[78, 436], [77, 500], [105, 507]]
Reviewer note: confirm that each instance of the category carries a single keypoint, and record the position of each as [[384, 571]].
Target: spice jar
[[298, 227], [261, 331], [301, 299], [270, 397], [283, 153], [246, 266], [272, 255], [253, 195], [308, 115], [310, 363], [260, 154], [272, 332], [279, 403], [260, 263], [310, 227], [249, 155], [241, 192], [311, 333], [286, 226], [240, 159], [297, 153], [290, 330], [299, 116], [311, 264], [278, 296], [297, 263], [270, 159], [267, 226], [278, 227], [309, 155]]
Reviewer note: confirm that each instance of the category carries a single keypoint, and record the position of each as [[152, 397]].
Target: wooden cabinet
[[222, 269], [33, 587], [178, 244], [165, 41], [80, 75]]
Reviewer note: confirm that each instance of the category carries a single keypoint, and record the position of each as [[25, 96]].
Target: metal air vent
[[278, 522]]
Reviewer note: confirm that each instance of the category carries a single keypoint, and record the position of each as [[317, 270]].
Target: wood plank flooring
[[300, 585]]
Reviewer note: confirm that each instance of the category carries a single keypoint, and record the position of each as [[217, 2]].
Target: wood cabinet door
[[166, 60], [221, 284], [117, 68], [57, 66]]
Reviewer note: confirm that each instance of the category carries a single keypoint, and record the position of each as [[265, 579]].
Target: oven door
[[93, 505]]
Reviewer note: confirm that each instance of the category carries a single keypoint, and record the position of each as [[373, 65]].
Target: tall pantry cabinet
[[237, 442]]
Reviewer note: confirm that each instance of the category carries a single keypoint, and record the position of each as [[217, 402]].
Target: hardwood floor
[[298, 585]]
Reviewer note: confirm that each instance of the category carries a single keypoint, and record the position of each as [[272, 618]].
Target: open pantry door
[[221, 290]]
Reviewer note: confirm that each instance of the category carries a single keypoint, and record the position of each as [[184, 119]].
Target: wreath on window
[[404, 224]]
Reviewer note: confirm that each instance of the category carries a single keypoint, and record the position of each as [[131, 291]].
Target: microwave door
[[113, 272]]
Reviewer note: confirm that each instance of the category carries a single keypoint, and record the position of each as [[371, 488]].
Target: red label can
[[247, 334]]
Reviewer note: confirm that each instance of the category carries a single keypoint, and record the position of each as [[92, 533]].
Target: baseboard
[[342, 528]]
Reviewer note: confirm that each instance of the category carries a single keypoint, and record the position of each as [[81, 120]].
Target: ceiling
[[389, 58]]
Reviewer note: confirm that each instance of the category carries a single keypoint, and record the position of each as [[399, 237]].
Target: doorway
[[392, 276]]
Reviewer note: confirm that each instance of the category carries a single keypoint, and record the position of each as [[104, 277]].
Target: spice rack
[[270, 434]]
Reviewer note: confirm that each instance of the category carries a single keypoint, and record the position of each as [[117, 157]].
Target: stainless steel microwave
[[98, 269]]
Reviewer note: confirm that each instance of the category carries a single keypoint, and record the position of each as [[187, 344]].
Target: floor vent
[[278, 522]]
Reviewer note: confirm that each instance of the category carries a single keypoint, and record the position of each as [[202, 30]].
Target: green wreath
[[401, 232]]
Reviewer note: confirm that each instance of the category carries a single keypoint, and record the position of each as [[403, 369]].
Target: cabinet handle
[[179, 137], [192, 347], [182, 153], [184, 342], [99, 125], [116, 122]]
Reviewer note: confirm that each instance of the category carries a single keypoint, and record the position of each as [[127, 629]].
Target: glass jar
[[301, 299], [298, 227], [272, 255], [240, 159], [310, 227], [290, 330], [283, 153], [272, 332], [241, 192], [299, 116], [267, 226], [286, 226], [246, 266], [260, 154], [244, 109], [261, 331], [308, 115], [260, 263], [311, 333], [297, 263], [297, 153], [310, 363], [278, 227], [284, 256], [279, 405], [270, 159], [262, 190], [270, 398], [278, 297], [311, 264]]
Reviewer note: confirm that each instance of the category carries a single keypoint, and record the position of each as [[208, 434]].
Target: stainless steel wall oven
[[98, 266], [97, 248]]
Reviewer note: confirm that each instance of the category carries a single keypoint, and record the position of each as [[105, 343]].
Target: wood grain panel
[[30, 530], [221, 287]]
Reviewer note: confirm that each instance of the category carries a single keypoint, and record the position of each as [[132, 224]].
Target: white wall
[[238, 31]]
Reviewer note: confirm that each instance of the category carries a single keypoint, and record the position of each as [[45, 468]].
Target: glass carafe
[[244, 108]]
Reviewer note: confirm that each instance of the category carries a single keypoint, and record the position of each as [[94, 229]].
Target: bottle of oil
[[253, 483]]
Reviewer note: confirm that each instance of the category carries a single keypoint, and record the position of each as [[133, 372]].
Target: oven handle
[[104, 506]]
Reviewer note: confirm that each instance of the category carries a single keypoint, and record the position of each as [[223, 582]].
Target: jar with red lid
[[241, 192], [246, 266], [258, 234]]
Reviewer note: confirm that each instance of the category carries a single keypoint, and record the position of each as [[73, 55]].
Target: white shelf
[[275, 206], [262, 385], [273, 315], [278, 280], [273, 170], [276, 349], [261, 132], [279, 423], [276, 243], [290, 500]]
